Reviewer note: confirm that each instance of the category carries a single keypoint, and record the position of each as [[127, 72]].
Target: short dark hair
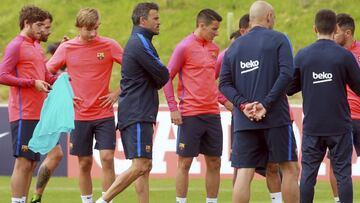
[[325, 21], [346, 21], [142, 10], [235, 34], [244, 21], [49, 16], [31, 14], [207, 16]]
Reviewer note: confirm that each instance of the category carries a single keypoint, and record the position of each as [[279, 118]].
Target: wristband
[[242, 106]]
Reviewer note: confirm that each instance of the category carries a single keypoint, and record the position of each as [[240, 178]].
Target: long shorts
[[200, 134], [21, 132], [137, 140], [255, 148], [81, 138]]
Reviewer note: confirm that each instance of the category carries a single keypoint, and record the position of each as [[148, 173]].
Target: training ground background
[[293, 17]]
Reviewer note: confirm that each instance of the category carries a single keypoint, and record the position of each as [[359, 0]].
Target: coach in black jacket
[[142, 76]]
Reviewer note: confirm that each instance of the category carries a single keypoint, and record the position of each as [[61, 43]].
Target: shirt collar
[[141, 30], [198, 39], [91, 42], [28, 39]]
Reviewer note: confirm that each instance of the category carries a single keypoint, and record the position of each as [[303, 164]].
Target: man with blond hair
[[255, 73], [89, 60]]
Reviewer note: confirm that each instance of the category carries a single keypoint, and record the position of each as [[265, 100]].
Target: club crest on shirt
[[148, 148], [181, 146], [24, 148], [213, 54], [100, 55]]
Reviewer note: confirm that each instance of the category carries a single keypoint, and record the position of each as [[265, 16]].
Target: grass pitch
[[65, 190]]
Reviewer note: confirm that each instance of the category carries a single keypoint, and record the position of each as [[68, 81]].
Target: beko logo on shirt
[[249, 66], [4, 134], [321, 77]]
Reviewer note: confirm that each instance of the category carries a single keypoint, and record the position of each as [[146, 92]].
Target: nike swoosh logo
[[3, 134]]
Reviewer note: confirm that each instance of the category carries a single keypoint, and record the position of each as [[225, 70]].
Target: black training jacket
[[142, 76]]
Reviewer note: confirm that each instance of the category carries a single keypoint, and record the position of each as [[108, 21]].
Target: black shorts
[[81, 138], [200, 134], [21, 132], [231, 134], [137, 140], [255, 148]]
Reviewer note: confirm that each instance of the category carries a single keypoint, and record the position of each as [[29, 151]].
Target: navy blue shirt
[[322, 71], [142, 76], [258, 67]]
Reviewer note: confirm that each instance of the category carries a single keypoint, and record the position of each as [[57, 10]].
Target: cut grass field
[[65, 190]]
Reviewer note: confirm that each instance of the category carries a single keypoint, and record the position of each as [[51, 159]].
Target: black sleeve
[[151, 63], [295, 85], [227, 86], [353, 74], [286, 67]]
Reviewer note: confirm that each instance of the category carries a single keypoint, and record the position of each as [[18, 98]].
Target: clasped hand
[[255, 111]]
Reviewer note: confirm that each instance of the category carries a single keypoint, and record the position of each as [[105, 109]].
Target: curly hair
[[31, 14]]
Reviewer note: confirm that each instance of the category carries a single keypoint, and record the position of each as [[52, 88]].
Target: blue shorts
[[22, 131], [81, 138], [255, 148], [200, 134], [232, 131], [231, 135], [137, 140]]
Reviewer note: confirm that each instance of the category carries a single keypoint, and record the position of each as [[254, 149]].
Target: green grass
[[65, 190], [294, 17]]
